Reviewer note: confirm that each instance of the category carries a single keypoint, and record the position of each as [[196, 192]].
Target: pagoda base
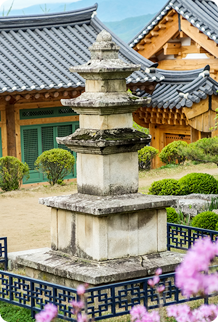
[[59, 268], [108, 227]]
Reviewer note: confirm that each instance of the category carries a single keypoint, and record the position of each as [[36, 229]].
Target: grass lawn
[[13, 313]]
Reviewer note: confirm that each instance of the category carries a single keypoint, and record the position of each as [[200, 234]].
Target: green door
[[36, 139]]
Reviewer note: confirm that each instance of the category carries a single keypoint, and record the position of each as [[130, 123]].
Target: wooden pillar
[[155, 133], [11, 134], [195, 135]]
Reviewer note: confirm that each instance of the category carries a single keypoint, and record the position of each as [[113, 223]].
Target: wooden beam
[[11, 134], [187, 64], [7, 98], [65, 93], [140, 47], [199, 37], [37, 96], [27, 96], [56, 94], [146, 41], [157, 42], [172, 48], [47, 95], [162, 26], [154, 33]]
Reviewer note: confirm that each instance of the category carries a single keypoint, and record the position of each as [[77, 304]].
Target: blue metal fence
[[183, 237], [102, 302], [3, 251]]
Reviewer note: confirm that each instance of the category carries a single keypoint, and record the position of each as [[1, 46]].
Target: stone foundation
[[59, 268]]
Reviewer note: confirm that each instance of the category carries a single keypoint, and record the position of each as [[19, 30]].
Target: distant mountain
[[108, 10], [128, 28]]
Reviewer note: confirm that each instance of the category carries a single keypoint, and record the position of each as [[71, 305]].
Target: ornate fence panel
[[183, 237], [102, 302], [3, 251]]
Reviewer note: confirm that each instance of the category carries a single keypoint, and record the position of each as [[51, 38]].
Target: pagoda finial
[[104, 36]]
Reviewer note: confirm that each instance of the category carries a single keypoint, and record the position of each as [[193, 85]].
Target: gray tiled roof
[[202, 14], [169, 95], [37, 51]]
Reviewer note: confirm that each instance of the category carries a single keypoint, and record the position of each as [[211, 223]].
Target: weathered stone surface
[[105, 103], [106, 122], [104, 205], [194, 204], [107, 174], [109, 237], [66, 270], [103, 142]]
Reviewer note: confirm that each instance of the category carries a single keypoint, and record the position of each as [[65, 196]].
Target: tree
[[204, 150]]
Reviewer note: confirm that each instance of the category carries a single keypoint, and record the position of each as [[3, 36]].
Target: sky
[[20, 4]]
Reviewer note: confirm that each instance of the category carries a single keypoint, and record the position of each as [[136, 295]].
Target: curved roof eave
[[202, 14], [46, 20]]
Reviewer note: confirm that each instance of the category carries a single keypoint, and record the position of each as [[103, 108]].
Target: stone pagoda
[[107, 231]]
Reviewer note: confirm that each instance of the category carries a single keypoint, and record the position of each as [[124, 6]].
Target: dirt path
[[26, 223]]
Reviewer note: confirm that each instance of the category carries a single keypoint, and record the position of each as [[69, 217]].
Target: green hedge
[[172, 153], [166, 187], [191, 183], [199, 183], [205, 220], [172, 215], [145, 156]]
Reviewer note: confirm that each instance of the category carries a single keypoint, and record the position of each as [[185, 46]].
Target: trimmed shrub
[[55, 164], [12, 172], [199, 183], [172, 153], [167, 187], [172, 215], [205, 220], [145, 156]]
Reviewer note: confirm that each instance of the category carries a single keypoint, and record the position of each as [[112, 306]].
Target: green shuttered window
[[36, 139]]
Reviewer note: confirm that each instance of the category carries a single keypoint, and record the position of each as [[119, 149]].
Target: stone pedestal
[[104, 228]]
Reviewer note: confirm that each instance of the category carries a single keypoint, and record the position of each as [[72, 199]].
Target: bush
[[172, 215], [12, 172], [172, 153], [204, 150], [167, 187], [205, 220], [55, 164], [199, 183], [145, 156]]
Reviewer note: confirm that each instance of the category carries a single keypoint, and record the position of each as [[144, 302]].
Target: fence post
[[32, 301], [168, 236], [6, 254]]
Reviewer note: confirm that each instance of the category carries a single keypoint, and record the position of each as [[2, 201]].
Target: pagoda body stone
[[106, 144]]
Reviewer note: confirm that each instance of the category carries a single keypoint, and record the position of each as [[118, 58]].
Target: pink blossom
[[190, 275], [151, 283], [82, 318], [48, 314], [77, 306], [81, 290], [140, 314], [160, 288], [137, 312], [158, 271]]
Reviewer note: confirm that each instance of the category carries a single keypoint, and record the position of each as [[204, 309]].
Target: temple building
[[36, 54], [183, 36]]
